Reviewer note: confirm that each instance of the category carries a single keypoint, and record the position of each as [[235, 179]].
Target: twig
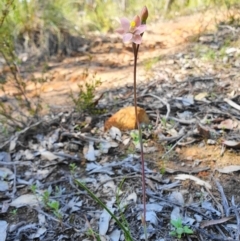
[[216, 201], [89, 226], [119, 177], [170, 203], [52, 218], [223, 198], [233, 104], [80, 136], [14, 181], [173, 146], [158, 118], [237, 217], [17, 134], [163, 101], [186, 122]]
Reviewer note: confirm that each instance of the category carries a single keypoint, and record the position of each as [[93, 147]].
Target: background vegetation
[[33, 25], [41, 28]]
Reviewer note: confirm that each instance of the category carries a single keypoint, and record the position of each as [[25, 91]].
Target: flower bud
[[144, 15]]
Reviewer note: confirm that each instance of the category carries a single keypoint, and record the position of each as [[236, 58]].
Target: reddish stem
[[135, 51]]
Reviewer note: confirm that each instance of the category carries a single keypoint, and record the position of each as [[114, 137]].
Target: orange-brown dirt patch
[[212, 156]]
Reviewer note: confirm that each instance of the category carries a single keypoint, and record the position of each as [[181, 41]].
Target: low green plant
[[49, 204], [46, 198], [21, 111], [135, 137], [73, 168], [59, 190], [90, 232], [149, 63], [179, 228], [33, 188], [14, 212], [84, 101], [101, 204], [55, 208], [209, 55], [122, 208]]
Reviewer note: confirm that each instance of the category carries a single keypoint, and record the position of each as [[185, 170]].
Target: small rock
[[225, 59], [211, 142], [230, 51], [237, 63], [206, 39], [178, 77]]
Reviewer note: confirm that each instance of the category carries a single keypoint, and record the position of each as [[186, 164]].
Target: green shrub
[[84, 101]]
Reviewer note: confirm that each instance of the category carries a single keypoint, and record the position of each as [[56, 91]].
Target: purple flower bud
[[144, 15]]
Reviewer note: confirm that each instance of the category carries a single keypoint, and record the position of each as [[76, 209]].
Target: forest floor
[[188, 83]]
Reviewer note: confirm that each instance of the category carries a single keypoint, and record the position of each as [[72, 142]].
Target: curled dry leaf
[[115, 133], [125, 119], [233, 144], [229, 169], [91, 154], [47, 155], [195, 179], [228, 124], [204, 131]]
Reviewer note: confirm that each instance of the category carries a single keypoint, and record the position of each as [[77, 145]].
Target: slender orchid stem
[[135, 51]]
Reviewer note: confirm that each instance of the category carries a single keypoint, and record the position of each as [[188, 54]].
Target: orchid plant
[[132, 31]]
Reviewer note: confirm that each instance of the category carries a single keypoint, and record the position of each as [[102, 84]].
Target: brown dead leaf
[[207, 223], [233, 144], [125, 119], [203, 131], [228, 124]]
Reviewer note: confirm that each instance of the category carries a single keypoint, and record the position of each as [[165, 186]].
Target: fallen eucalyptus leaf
[[115, 133], [91, 154], [47, 155], [115, 235], [175, 214], [188, 100], [233, 144], [25, 200], [13, 144], [6, 173], [176, 197], [207, 223], [229, 169], [195, 179], [5, 156], [228, 124], [41, 231], [208, 206], [3, 186], [105, 218], [201, 96], [3, 230]]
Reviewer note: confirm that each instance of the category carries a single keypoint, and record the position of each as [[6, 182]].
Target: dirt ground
[[163, 42]]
